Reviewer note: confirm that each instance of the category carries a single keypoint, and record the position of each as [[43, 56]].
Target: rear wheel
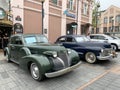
[[35, 72], [90, 57]]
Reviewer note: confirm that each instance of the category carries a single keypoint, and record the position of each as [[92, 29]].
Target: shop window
[[105, 29]]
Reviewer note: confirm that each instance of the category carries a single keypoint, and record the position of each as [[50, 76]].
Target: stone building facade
[[109, 21], [61, 17]]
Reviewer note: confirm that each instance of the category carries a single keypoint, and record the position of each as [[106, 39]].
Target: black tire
[[7, 57], [90, 57], [35, 72], [114, 47]]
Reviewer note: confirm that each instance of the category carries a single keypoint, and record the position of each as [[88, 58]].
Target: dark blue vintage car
[[91, 51]]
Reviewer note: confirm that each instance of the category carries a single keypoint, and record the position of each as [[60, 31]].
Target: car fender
[[83, 50], [41, 60], [25, 51], [74, 56]]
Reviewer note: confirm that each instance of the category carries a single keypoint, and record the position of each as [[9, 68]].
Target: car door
[[70, 43], [15, 46], [98, 38]]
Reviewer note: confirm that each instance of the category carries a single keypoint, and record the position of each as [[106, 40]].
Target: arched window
[[117, 19]]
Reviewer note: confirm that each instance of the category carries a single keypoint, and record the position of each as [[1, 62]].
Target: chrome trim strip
[[61, 61], [111, 56]]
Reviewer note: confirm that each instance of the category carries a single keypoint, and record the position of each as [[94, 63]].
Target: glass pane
[[30, 40]]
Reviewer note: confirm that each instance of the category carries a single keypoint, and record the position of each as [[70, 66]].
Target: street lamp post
[[42, 1]]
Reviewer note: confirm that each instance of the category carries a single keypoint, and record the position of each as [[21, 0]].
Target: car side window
[[93, 37], [62, 39], [70, 39], [16, 40], [12, 40], [101, 37]]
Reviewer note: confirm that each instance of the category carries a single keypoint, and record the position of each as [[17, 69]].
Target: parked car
[[115, 37], [115, 43], [89, 50], [33, 53]]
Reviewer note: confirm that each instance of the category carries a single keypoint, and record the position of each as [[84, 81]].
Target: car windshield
[[42, 39], [81, 39], [35, 39], [110, 38], [30, 39]]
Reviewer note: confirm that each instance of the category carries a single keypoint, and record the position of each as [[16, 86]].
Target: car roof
[[72, 35], [24, 35]]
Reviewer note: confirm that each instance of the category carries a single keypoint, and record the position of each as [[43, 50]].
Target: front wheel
[[35, 72], [114, 47], [90, 57], [7, 57]]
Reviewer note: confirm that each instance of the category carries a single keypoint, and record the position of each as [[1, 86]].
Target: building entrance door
[[5, 32]]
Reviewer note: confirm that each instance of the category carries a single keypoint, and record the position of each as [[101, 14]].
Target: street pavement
[[104, 75]]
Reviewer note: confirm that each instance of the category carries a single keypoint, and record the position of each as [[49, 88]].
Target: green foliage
[[96, 6]]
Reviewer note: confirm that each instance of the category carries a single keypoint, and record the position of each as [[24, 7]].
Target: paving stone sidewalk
[[110, 80], [2, 57]]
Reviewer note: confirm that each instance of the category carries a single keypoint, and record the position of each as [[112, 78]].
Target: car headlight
[[102, 50], [68, 51], [54, 54], [51, 53]]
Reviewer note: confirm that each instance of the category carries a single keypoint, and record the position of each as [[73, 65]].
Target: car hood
[[46, 47], [95, 44]]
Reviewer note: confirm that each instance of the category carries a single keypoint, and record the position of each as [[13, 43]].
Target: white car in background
[[115, 43]]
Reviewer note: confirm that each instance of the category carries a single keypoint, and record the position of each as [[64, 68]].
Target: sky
[[106, 3]]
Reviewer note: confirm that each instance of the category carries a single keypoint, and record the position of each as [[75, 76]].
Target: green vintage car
[[35, 54]]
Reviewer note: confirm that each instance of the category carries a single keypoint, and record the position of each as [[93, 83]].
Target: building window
[[110, 29], [116, 28], [105, 20], [117, 19], [85, 8], [70, 4], [110, 19], [105, 29], [55, 1], [97, 31]]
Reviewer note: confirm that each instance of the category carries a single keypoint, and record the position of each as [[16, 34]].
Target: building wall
[[32, 17], [112, 11], [55, 18], [17, 10]]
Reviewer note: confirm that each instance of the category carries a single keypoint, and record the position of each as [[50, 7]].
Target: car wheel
[[114, 47], [90, 57], [35, 72], [7, 57]]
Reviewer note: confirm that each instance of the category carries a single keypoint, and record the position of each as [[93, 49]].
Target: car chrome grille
[[64, 57], [106, 52]]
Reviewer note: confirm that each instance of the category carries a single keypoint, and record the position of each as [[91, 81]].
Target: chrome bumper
[[111, 56], [63, 71]]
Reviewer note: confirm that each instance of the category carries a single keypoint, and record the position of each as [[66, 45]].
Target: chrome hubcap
[[90, 57], [34, 71]]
